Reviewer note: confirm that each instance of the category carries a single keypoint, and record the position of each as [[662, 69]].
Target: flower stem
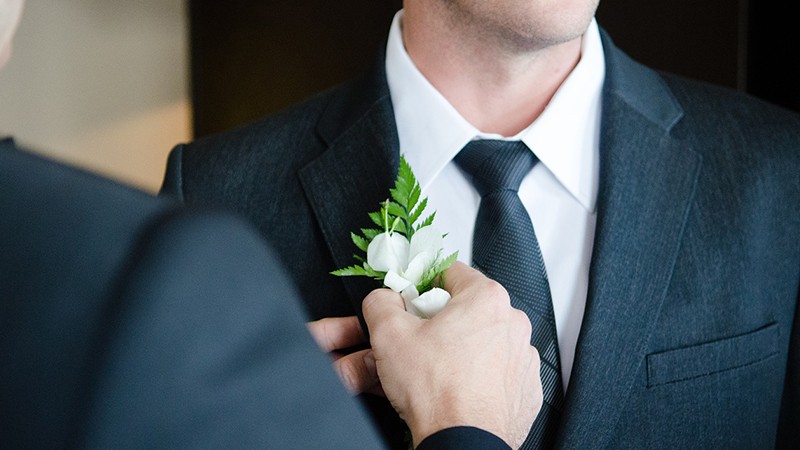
[[386, 216], [394, 224]]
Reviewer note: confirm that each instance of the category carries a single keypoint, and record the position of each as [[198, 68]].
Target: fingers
[[335, 333], [358, 372]]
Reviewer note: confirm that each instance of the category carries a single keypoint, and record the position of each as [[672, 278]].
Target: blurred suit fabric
[[127, 322]]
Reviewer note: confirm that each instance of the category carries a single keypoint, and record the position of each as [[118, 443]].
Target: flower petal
[[427, 239], [395, 282], [388, 252], [431, 302], [409, 294], [417, 267]]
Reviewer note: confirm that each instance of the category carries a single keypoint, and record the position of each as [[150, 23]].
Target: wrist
[[463, 438], [454, 415]]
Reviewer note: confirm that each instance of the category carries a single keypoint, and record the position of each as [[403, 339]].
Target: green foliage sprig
[[401, 213]]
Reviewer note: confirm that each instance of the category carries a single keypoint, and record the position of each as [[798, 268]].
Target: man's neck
[[497, 90]]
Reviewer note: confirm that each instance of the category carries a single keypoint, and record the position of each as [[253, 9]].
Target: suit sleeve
[[463, 438], [210, 350], [172, 186]]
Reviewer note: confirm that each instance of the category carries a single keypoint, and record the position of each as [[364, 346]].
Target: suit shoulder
[[291, 128], [267, 154], [742, 140], [714, 112], [40, 181]]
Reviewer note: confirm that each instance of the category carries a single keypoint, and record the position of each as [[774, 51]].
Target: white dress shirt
[[559, 193]]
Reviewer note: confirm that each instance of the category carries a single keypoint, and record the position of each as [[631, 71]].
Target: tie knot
[[496, 165]]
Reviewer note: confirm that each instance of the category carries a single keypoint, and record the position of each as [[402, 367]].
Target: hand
[[471, 365], [356, 370]]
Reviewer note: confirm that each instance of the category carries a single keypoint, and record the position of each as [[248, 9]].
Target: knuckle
[[494, 300], [496, 291], [521, 320], [535, 358], [519, 317], [323, 336], [535, 363], [370, 300], [349, 374]]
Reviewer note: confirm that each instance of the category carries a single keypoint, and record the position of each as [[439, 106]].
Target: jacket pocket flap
[[712, 357]]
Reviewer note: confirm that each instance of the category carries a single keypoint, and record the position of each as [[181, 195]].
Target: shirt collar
[[565, 137]]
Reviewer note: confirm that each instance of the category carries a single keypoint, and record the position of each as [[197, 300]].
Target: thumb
[[381, 306], [460, 277]]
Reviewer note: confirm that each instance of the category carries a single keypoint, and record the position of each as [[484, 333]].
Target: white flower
[[405, 263], [430, 303]]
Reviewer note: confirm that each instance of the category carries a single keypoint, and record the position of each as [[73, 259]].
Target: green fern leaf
[[427, 222], [360, 242], [370, 233], [352, 271]]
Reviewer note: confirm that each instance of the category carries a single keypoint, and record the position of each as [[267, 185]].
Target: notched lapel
[[354, 175], [647, 185]]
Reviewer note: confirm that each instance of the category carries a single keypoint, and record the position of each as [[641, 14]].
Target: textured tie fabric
[[505, 249]]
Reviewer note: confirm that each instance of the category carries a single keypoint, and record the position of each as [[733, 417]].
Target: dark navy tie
[[504, 248]]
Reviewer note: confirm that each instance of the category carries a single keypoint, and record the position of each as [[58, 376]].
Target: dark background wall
[[773, 49], [700, 39], [253, 57]]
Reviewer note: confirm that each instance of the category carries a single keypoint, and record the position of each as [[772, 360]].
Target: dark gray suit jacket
[[690, 335], [128, 322]]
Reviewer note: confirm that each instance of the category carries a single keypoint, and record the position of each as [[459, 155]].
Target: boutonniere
[[404, 253]]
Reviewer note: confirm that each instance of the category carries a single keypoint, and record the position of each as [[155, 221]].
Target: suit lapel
[[646, 188], [355, 173]]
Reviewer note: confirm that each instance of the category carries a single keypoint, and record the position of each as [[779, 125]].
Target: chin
[[544, 26], [538, 37]]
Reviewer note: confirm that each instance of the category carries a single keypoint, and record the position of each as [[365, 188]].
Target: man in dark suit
[[664, 208]]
